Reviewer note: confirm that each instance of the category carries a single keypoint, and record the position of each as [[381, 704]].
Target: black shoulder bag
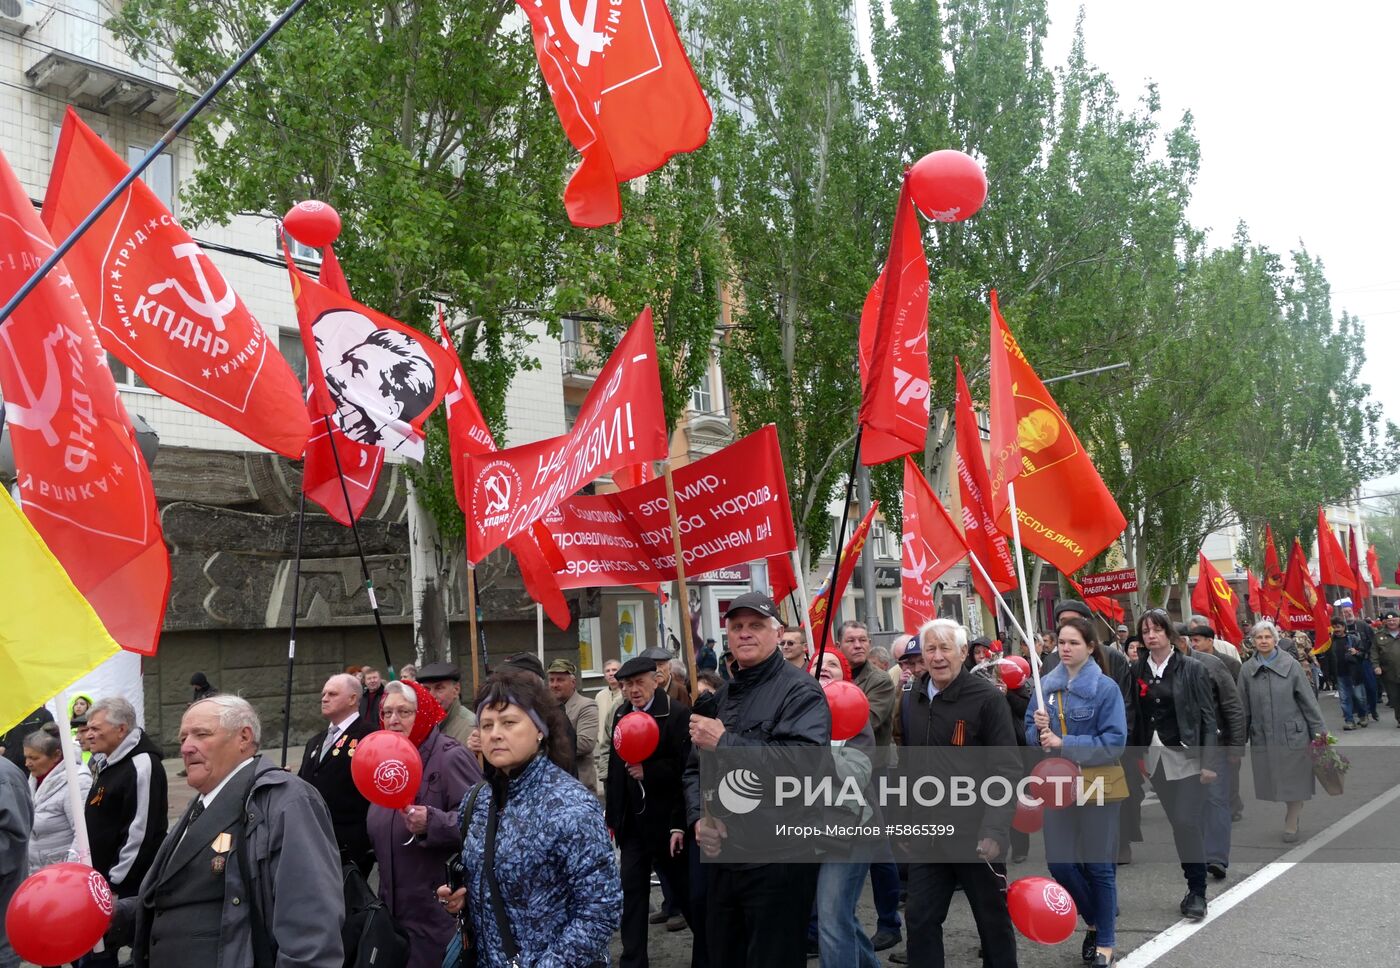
[[462, 942]]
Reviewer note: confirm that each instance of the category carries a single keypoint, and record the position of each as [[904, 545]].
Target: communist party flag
[[468, 434], [1103, 604], [1213, 596], [83, 483], [624, 91], [339, 474], [1272, 590], [1333, 567], [931, 545], [1066, 514], [1256, 593], [370, 377], [1354, 560], [1373, 566], [829, 595], [161, 307], [979, 526], [49, 635], [894, 346], [1302, 604]]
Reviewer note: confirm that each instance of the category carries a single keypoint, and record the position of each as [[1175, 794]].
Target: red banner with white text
[[622, 422], [732, 507]]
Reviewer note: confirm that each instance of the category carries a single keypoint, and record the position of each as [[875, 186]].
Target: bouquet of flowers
[[1329, 766]]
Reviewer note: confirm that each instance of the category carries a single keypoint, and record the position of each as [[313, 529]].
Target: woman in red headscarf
[[412, 844]]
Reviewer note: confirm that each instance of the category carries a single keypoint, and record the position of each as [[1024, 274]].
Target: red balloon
[[386, 769], [850, 710], [1022, 663], [1057, 795], [635, 737], [1041, 909], [1011, 673], [1029, 817], [312, 223], [59, 913], [948, 185]]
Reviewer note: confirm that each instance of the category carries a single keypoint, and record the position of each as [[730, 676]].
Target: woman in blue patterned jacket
[[542, 888]]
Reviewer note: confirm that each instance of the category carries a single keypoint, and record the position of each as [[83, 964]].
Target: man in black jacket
[[757, 913], [326, 766], [646, 805], [126, 808], [947, 709], [1229, 732]]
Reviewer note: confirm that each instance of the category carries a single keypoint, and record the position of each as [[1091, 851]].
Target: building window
[[290, 345], [160, 176], [123, 374], [952, 608], [304, 253], [702, 397], [880, 536], [887, 619], [571, 412]]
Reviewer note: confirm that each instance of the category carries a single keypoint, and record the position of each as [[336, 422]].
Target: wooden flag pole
[[682, 593], [471, 621]]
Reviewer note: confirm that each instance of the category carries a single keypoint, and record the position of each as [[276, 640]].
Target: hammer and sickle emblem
[[207, 306], [498, 493], [1222, 591], [590, 41], [41, 406]]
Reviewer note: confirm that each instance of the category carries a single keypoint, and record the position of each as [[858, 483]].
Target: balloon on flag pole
[[947, 185]]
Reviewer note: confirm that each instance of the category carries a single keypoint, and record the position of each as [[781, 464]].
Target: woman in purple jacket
[[412, 845]]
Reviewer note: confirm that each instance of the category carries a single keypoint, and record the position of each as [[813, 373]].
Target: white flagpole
[[1035, 657], [802, 601], [1025, 593], [71, 754]]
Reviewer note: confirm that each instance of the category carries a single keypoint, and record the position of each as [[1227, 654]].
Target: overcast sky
[[1297, 108]]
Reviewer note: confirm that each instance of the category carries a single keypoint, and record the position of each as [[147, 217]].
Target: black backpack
[[372, 939]]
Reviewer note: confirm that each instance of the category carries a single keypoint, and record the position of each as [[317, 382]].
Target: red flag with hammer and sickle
[[1213, 596], [83, 483], [161, 307], [624, 90]]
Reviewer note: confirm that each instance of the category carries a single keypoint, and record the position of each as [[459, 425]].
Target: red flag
[[622, 422], [1373, 566], [1214, 597], [829, 595], [782, 580], [979, 526], [625, 93], [161, 307], [931, 546], [1302, 604], [1333, 567], [1354, 560], [1067, 515], [1272, 591], [1256, 593], [1103, 604], [82, 481], [359, 464], [467, 434], [635, 476], [894, 346]]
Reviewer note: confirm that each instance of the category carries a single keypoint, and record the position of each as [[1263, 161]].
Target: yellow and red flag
[[1066, 514], [1213, 596], [979, 524], [1303, 606], [829, 595], [1272, 590], [1256, 593]]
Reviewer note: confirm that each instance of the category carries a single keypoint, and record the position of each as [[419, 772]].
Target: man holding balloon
[[645, 802]]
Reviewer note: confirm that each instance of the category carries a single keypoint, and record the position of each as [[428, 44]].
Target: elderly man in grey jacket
[[251, 865], [16, 817]]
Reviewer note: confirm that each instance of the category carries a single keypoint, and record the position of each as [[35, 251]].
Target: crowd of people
[[531, 841]]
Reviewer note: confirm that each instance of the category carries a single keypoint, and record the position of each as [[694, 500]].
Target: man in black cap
[[646, 806], [444, 681], [757, 913], [1217, 808]]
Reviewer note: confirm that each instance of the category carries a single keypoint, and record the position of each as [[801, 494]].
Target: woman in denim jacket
[[1086, 724]]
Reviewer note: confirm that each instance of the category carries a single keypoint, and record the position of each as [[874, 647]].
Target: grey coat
[[296, 876], [16, 817], [52, 836], [1281, 717]]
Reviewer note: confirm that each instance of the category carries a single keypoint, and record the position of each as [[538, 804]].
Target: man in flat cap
[[582, 714], [756, 914], [444, 681], [646, 806]]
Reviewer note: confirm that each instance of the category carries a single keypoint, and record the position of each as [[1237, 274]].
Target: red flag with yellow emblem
[[1213, 596]]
